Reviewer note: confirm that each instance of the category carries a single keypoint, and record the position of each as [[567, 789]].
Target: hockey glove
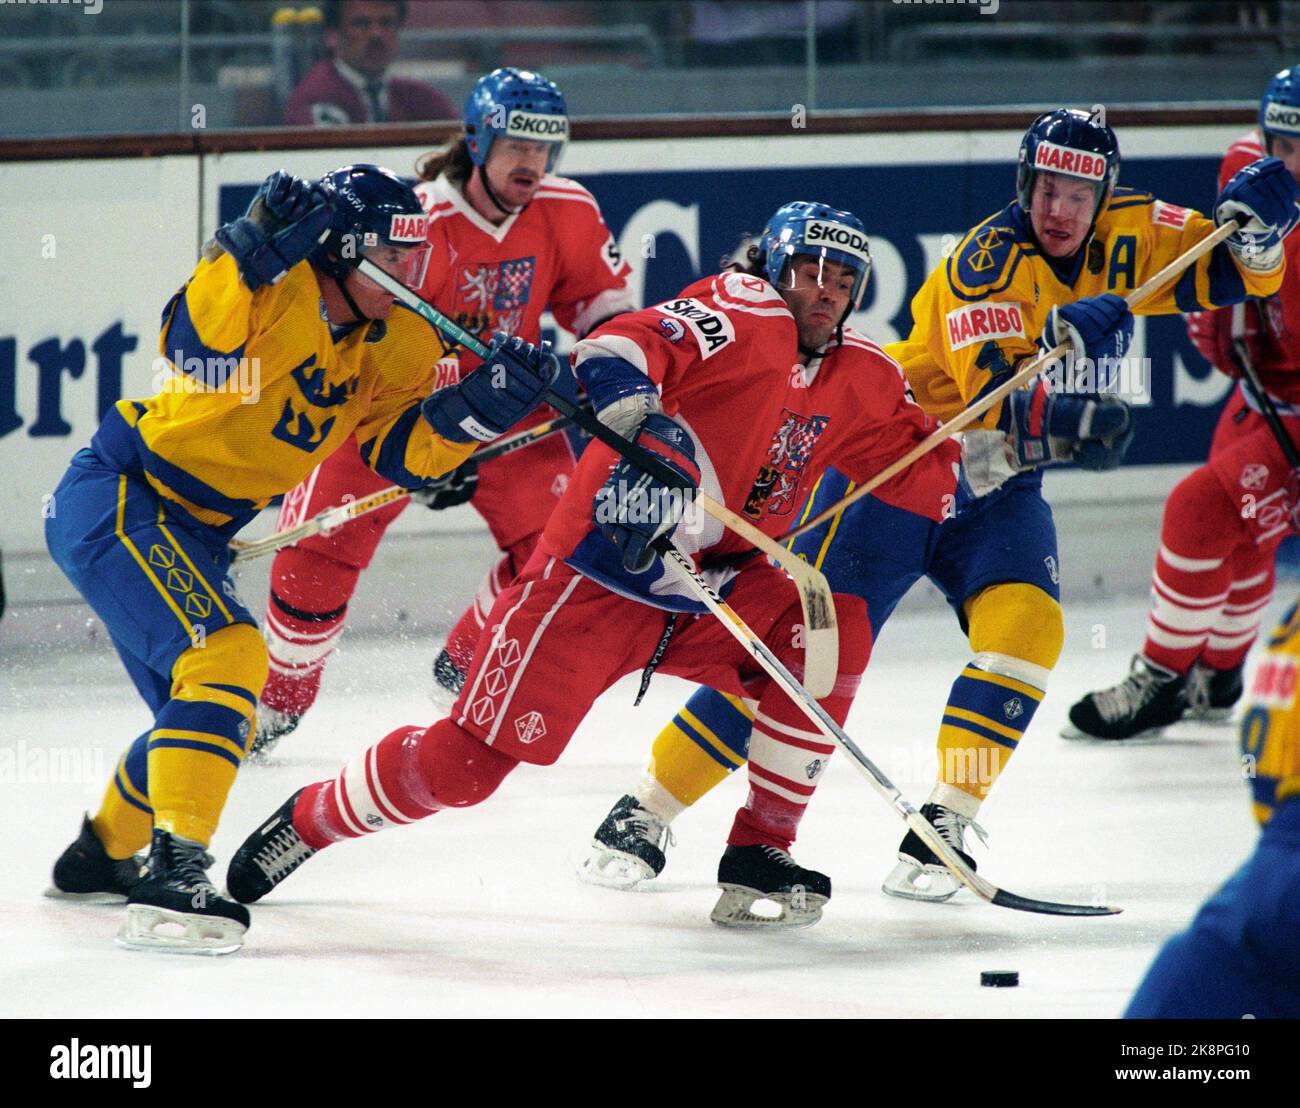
[[632, 508], [510, 383], [286, 221], [1265, 193], [450, 490], [1096, 327], [1044, 427], [621, 395]]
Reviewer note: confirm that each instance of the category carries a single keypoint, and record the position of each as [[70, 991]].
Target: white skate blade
[[1211, 715], [612, 869], [169, 932], [735, 908], [910, 881], [55, 893]]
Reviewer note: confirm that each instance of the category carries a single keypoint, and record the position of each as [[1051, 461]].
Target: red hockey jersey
[[1271, 327], [724, 355], [556, 253]]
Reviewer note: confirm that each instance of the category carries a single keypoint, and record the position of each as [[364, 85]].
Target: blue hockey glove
[[632, 508], [510, 383], [286, 221], [1265, 193], [450, 490], [621, 395], [1096, 327], [1044, 427], [288, 198]]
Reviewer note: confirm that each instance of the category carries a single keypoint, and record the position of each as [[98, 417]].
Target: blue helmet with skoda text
[[377, 214], [1071, 142], [1279, 111], [802, 227], [518, 104]]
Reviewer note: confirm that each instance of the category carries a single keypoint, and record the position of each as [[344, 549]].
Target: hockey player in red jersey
[[509, 240], [1223, 523], [748, 385]]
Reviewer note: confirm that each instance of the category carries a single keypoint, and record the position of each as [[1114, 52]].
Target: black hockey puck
[[1000, 978]]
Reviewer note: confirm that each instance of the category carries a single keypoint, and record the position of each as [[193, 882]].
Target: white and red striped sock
[[786, 762], [1187, 598], [409, 774], [1237, 626], [298, 645]]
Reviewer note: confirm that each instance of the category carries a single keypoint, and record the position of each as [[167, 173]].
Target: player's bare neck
[[339, 311], [482, 201]]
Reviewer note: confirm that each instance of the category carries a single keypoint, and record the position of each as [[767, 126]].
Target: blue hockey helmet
[[802, 227], [376, 216], [1071, 142], [517, 103], [1279, 111]]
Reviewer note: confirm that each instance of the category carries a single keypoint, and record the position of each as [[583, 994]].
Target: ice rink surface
[[479, 912]]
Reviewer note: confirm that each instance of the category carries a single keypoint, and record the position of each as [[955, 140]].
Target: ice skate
[[175, 909], [85, 872], [750, 874], [628, 847], [272, 726], [1144, 703], [1212, 693], [919, 874], [268, 856]]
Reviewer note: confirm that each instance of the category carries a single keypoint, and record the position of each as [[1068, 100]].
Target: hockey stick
[[330, 519], [968, 415], [981, 887], [821, 635]]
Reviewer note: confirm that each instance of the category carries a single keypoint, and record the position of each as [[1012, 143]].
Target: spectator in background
[[352, 85]]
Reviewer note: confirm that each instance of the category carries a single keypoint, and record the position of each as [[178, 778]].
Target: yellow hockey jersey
[[1270, 727], [984, 307], [259, 391]]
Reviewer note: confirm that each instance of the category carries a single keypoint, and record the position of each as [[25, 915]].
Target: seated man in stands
[[352, 85]]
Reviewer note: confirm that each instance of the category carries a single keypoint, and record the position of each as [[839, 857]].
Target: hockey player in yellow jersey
[[1050, 267], [1239, 958], [278, 350]]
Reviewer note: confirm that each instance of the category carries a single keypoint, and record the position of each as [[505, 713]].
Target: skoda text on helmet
[[822, 232], [1279, 111], [376, 216], [1073, 143], [518, 104]]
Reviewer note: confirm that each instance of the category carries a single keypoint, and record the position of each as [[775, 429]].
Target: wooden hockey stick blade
[[814, 593], [968, 415], [345, 513], [326, 520], [806, 703]]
